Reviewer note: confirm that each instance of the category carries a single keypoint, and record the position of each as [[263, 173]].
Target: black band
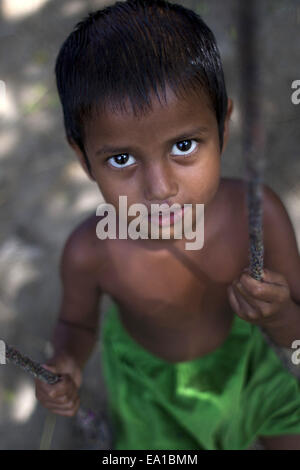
[[78, 325]]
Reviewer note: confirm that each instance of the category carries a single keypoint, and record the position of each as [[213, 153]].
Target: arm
[[75, 333], [274, 304], [76, 330], [282, 256]]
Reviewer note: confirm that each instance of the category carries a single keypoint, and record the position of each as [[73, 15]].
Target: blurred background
[[44, 193]]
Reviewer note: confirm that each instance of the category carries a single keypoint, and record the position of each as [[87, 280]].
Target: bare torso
[[174, 302]]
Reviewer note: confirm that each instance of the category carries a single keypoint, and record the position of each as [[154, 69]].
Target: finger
[[235, 303], [263, 291], [49, 391], [65, 387], [66, 412], [62, 412], [274, 277], [62, 400], [240, 290], [249, 298], [268, 276], [69, 405], [247, 309], [62, 387], [264, 309], [51, 368]]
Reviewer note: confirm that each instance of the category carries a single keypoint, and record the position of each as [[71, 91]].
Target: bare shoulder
[[234, 192], [273, 206], [82, 249], [281, 248], [279, 232]]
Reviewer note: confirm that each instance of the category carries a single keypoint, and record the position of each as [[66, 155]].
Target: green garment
[[223, 400]]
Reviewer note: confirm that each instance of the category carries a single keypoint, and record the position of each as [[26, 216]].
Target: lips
[[154, 214], [169, 218]]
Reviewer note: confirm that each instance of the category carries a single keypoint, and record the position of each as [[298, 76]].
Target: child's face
[[172, 155]]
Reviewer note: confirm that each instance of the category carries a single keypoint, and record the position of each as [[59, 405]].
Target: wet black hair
[[129, 50]]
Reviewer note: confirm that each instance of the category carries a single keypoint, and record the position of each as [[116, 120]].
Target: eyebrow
[[186, 135]]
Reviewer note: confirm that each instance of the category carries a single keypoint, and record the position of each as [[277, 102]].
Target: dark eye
[[121, 161], [185, 147]]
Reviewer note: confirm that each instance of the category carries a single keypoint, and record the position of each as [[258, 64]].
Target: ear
[[81, 159], [226, 123]]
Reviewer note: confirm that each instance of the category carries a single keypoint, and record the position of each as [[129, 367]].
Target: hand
[[259, 302], [61, 398]]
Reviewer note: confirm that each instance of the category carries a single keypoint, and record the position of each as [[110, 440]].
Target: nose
[[159, 182]]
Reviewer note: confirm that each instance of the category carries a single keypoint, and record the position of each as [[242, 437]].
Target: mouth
[[169, 218]]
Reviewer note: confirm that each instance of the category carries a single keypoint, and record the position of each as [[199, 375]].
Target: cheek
[[205, 179], [109, 190], [112, 189]]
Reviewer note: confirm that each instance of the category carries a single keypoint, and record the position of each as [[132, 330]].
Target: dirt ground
[[44, 193]]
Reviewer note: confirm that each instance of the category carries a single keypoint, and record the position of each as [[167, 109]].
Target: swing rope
[[253, 129], [254, 143], [93, 427]]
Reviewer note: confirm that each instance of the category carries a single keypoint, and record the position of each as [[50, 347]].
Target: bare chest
[[175, 303]]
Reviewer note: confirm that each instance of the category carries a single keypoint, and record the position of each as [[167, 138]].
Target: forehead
[[166, 117]]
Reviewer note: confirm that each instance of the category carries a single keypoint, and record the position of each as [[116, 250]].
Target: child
[[185, 363]]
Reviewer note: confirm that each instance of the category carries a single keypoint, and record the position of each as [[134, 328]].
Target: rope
[[253, 129], [254, 142], [32, 367], [91, 426]]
